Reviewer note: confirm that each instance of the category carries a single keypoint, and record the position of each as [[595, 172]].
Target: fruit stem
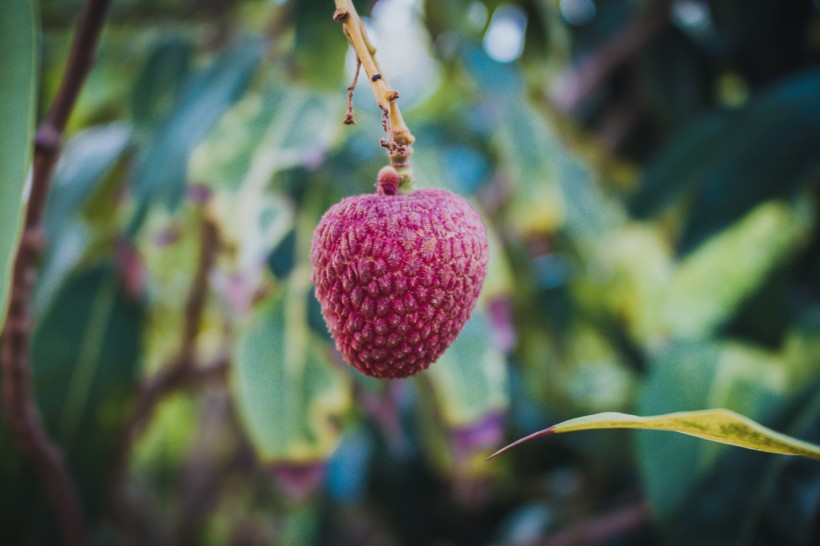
[[399, 139]]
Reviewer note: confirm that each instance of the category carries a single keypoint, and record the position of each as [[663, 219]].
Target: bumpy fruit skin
[[397, 276]]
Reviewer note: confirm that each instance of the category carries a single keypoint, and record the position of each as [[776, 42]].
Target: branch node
[[340, 15], [375, 77], [349, 114], [47, 140], [34, 239]]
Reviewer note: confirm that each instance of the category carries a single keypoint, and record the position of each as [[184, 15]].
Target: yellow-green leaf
[[717, 425]]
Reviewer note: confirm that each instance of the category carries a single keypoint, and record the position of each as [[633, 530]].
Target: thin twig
[[182, 371], [602, 528], [572, 88], [399, 143], [23, 415], [349, 114]]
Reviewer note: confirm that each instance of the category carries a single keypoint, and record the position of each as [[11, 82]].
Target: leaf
[[287, 393], [470, 379], [161, 171], [735, 160], [752, 499], [552, 187], [320, 46], [694, 376], [712, 281], [157, 88], [265, 134], [83, 165], [18, 65], [83, 162], [85, 352], [717, 425]]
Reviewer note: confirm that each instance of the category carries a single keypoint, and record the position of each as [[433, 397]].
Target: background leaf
[[779, 505], [161, 170], [85, 353], [18, 64], [695, 376], [288, 395], [735, 160], [265, 134], [158, 87], [470, 378]]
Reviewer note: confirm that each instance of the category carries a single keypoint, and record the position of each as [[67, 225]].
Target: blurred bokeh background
[[648, 171]]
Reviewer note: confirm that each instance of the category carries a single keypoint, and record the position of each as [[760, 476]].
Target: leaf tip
[[546, 431]]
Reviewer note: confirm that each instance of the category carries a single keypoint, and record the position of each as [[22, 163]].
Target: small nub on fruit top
[[387, 183]]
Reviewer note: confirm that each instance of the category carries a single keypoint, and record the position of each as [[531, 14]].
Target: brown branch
[[24, 417], [399, 139], [572, 88], [597, 530], [182, 372]]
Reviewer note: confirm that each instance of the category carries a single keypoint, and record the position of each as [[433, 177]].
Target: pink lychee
[[397, 276]]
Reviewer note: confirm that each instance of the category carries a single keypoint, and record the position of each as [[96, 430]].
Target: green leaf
[[83, 162], [83, 166], [320, 46], [288, 395], [695, 376], [712, 281], [265, 134], [552, 187], [157, 88], [85, 352], [470, 379], [18, 65], [735, 160], [161, 171], [718, 425]]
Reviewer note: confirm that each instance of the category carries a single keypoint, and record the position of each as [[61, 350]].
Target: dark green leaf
[[282, 259], [161, 170], [755, 499], [736, 160], [320, 44], [18, 66], [157, 89], [694, 376], [85, 352]]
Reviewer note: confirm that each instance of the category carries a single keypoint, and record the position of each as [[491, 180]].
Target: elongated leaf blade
[[718, 425], [82, 165], [18, 65], [85, 353], [162, 168], [733, 161], [159, 84], [288, 396], [266, 133], [470, 379]]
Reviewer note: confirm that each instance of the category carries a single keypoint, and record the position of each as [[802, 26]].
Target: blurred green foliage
[[649, 175]]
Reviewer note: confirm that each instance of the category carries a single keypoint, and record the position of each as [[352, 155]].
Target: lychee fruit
[[397, 275]]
